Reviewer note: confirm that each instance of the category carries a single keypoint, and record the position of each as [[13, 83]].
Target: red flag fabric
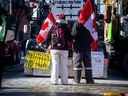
[[45, 28], [87, 18]]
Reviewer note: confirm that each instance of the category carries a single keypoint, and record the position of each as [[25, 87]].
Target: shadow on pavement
[[46, 94], [102, 84], [13, 88]]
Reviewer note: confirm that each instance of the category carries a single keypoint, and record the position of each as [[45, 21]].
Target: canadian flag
[[45, 28], [87, 18]]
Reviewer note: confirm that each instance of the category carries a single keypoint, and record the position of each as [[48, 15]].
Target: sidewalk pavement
[[17, 84], [21, 85]]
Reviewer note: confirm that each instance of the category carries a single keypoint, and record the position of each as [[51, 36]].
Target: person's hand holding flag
[[45, 28], [87, 18]]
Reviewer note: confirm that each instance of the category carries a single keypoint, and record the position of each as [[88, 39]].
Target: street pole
[[10, 7], [120, 7], [98, 5]]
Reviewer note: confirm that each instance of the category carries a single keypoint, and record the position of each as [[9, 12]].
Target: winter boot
[[88, 77], [77, 76]]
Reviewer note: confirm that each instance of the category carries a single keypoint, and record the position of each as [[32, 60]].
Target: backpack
[[58, 39]]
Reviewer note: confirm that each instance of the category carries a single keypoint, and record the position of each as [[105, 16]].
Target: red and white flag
[[87, 18], [45, 28]]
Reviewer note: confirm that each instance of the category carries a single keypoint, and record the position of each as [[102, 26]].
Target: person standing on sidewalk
[[82, 52], [59, 37], [3, 46], [2, 61]]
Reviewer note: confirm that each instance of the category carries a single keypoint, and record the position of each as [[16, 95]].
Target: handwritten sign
[[98, 64], [36, 60]]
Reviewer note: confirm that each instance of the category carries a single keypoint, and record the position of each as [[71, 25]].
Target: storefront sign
[[69, 7]]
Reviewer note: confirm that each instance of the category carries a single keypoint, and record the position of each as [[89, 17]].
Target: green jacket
[[2, 28]]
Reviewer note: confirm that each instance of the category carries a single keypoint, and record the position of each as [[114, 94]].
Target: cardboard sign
[[98, 64], [10, 35], [39, 61]]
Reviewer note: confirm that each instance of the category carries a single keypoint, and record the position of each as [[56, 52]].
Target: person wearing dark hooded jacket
[[82, 52], [3, 46]]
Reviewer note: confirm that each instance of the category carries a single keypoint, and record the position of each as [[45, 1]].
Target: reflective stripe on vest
[[77, 68]]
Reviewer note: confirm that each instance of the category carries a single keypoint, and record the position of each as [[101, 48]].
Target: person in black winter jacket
[[82, 52], [2, 45]]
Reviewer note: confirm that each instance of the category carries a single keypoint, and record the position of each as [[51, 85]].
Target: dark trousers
[[84, 58], [2, 59], [23, 47], [1, 71]]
